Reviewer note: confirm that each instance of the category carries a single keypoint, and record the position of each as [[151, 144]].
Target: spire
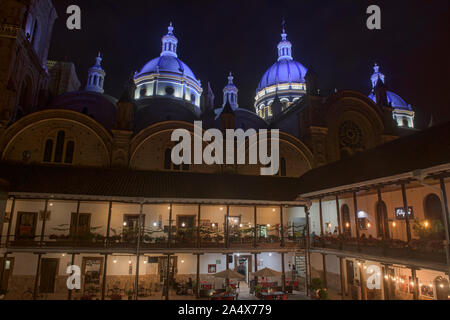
[[207, 99], [230, 93], [169, 43], [96, 76], [284, 47], [376, 75]]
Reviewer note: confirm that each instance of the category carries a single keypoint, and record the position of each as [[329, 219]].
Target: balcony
[[429, 250]]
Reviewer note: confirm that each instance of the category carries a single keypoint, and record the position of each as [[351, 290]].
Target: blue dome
[[283, 71], [394, 100], [167, 64]]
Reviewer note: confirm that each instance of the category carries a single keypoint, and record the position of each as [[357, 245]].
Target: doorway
[[243, 265], [442, 288], [26, 225], [48, 273], [162, 268], [7, 272], [92, 271]]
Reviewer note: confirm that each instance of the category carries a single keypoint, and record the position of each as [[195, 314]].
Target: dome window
[[143, 92], [170, 91], [193, 98]]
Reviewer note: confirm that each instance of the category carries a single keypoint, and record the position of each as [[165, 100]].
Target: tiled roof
[[146, 184], [425, 149]]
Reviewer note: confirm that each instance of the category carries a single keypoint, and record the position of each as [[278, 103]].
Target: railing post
[[338, 214], [227, 226], [406, 210], [197, 291], [282, 227], [198, 226], [36, 278], [283, 273], [255, 228], [308, 258], [11, 217], [355, 204], [169, 236], [138, 250], [108, 224], [44, 219], [105, 270]]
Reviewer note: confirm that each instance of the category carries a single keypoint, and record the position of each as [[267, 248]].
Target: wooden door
[[7, 271], [48, 273], [26, 225]]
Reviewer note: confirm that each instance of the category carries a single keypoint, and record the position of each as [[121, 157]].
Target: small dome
[[100, 107], [283, 71], [394, 100]]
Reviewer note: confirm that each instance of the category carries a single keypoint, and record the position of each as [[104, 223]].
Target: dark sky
[[218, 36]]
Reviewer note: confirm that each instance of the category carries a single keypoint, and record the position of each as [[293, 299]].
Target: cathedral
[[79, 163]]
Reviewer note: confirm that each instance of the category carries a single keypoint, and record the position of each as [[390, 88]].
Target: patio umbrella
[[229, 274], [266, 272]]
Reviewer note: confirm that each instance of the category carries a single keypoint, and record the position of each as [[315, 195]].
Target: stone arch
[[354, 124], [298, 158], [147, 149], [92, 142]]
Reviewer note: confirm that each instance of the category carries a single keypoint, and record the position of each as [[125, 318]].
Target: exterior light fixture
[[145, 261], [168, 208], [51, 204], [129, 261], [347, 225], [426, 224], [213, 225], [183, 224], [359, 263], [273, 210], [368, 225], [394, 224], [268, 226], [182, 260], [241, 225], [155, 224], [411, 284], [124, 224], [114, 261], [270, 254], [221, 208], [63, 254]]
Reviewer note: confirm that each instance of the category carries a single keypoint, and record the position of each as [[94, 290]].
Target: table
[[273, 296], [223, 296]]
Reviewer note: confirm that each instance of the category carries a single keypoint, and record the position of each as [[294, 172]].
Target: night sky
[[216, 37]]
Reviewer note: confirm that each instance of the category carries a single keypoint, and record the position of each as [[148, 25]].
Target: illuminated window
[[169, 91]]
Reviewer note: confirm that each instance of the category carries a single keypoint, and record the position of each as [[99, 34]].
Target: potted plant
[[258, 289], [130, 294], [316, 286]]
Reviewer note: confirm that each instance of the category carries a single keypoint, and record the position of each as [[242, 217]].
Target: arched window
[[433, 208], [283, 167], [405, 122], [64, 149], [169, 165], [59, 146], [69, 152], [346, 220], [48, 150]]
